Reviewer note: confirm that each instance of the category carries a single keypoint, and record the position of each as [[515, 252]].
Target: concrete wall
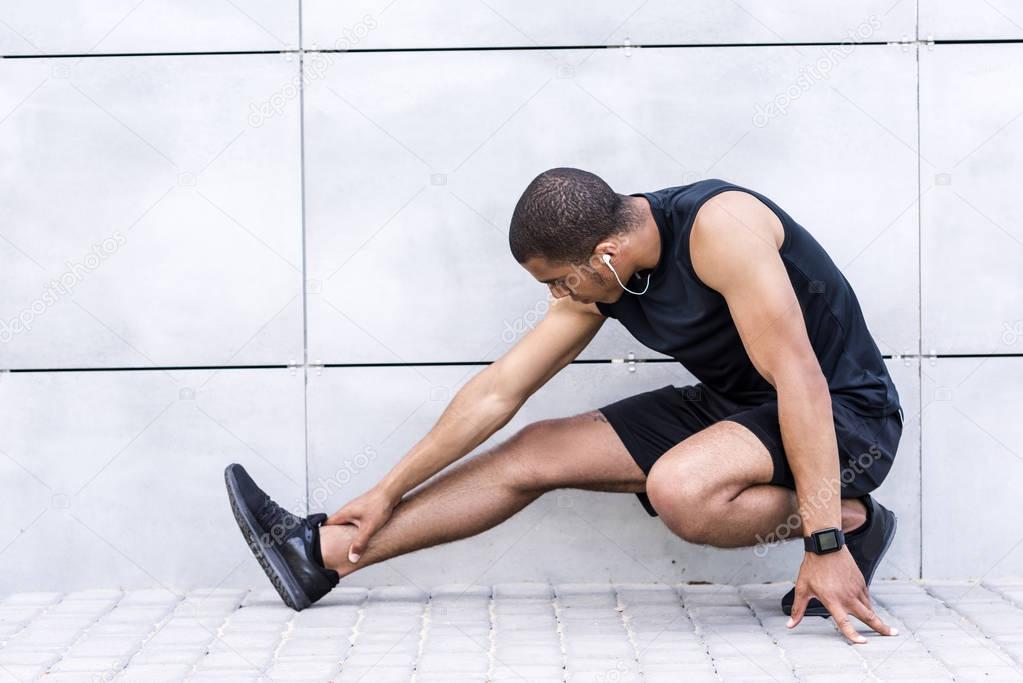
[[204, 203]]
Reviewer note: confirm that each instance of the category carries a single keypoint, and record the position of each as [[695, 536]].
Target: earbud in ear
[[606, 258]]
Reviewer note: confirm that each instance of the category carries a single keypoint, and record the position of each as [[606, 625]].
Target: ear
[[605, 249]]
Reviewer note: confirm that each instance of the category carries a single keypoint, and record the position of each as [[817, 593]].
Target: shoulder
[[731, 210], [731, 232]]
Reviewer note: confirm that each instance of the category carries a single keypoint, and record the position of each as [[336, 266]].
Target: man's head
[[563, 224]]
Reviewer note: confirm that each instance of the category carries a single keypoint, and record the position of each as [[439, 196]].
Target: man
[[793, 422]]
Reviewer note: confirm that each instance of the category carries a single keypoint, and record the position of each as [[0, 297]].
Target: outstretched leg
[[582, 451]]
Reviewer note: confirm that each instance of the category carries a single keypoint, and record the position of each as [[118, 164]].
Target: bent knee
[[675, 484], [685, 502]]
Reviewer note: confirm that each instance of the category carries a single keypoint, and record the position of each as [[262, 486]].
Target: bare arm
[[492, 397], [734, 246]]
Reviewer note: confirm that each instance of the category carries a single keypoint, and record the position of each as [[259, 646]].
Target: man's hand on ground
[[836, 581], [368, 512]]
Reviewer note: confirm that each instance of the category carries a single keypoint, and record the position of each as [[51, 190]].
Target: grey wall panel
[[951, 20], [415, 160], [116, 478], [972, 467], [971, 169], [837, 153], [117, 26], [465, 23], [152, 211], [364, 420]]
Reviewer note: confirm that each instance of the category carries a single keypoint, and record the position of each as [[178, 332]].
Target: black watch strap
[[824, 541]]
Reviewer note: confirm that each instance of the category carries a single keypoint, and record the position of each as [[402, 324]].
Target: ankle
[[854, 514], [334, 542]]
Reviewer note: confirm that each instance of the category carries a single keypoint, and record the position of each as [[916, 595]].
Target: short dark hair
[[564, 213]]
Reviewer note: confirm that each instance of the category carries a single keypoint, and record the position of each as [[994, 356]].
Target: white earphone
[[606, 258]]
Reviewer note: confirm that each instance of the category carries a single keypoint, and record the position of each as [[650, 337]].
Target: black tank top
[[683, 318]]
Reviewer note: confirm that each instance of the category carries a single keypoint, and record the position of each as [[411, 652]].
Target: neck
[[648, 238]]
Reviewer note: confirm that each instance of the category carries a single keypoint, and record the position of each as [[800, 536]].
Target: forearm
[[472, 416], [808, 432]]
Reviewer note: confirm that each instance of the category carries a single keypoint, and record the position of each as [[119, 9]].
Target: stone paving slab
[[601, 633]]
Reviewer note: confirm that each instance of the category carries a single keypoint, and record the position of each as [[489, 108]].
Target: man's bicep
[[770, 322]]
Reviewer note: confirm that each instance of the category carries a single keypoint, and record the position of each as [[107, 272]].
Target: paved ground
[[509, 632]]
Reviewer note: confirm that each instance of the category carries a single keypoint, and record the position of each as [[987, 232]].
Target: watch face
[[828, 541]]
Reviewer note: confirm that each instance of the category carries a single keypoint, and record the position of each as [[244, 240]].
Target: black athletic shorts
[[654, 421]]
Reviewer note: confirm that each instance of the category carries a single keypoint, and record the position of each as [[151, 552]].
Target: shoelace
[[269, 513]]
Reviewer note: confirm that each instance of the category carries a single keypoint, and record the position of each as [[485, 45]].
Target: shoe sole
[[822, 611], [268, 557]]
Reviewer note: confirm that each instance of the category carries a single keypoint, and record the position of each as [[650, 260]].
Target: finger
[[342, 516], [865, 613], [843, 622], [358, 546], [798, 606]]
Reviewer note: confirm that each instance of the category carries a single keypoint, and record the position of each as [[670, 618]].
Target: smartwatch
[[824, 541]]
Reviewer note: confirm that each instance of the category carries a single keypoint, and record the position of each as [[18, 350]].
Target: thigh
[[653, 422], [579, 451], [713, 465], [866, 445]]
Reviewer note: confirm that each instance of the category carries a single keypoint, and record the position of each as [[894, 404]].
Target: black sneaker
[[867, 545], [286, 545]]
